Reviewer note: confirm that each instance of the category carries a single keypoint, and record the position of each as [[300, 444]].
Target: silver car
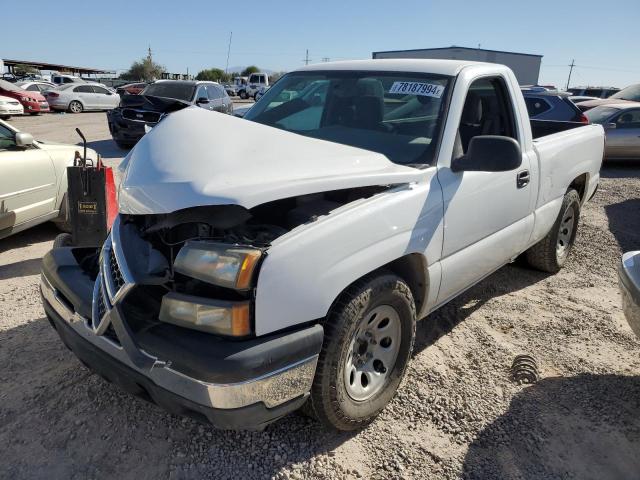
[[78, 97], [621, 122]]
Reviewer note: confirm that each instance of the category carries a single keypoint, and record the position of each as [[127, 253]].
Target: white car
[[33, 180], [291, 261], [10, 106], [78, 97], [39, 86]]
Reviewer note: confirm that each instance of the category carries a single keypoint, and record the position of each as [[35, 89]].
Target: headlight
[[219, 264], [211, 316]]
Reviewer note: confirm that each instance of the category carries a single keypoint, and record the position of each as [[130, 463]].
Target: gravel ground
[[457, 414]]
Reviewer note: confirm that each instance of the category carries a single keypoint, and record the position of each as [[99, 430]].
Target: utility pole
[[228, 53], [570, 70], [149, 56], [306, 60]]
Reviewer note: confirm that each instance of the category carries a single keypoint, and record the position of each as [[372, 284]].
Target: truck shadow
[[508, 279], [84, 427], [107, 148], [624, 223], [586, 427]]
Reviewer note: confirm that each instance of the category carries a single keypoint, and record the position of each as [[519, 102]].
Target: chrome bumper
[[272, 389]]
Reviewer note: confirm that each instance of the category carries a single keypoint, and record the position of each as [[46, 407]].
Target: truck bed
[[542, 128]]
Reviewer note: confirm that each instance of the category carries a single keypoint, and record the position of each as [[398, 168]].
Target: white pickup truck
[[259, 264]]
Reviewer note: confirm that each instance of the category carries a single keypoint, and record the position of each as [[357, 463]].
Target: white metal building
[[526, 66]]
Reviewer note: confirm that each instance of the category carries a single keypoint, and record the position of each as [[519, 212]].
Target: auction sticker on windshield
[[417, 88]]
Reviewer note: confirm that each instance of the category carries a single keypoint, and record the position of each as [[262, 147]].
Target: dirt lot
[[457, 414]]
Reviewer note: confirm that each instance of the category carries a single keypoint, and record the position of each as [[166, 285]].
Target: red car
[[33, 102], [131, 88]]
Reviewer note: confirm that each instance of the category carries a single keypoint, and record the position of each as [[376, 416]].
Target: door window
[[7, 139], [628, 119], [214, 92], [83, 89], [100, 90], [33, 88], [487, 111]]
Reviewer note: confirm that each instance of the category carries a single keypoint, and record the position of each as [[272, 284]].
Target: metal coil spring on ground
[[524, 369]]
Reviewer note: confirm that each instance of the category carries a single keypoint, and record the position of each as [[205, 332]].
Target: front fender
[[305, 270]]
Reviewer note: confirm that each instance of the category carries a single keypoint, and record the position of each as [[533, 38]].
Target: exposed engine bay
[[154, 241]]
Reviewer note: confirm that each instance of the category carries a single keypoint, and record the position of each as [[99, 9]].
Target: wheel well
[[412, 269], [580, 185]]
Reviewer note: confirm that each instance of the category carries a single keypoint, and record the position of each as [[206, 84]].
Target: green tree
[[22, 70], [249, 70], [213, 75], [145, 69]]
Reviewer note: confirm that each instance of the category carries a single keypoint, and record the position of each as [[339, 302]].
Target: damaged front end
[[171, 316]]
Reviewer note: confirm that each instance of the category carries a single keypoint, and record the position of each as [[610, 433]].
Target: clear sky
[[602, 37]]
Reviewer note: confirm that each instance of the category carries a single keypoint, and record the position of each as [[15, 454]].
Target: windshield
[[632, 92], [179, 91], [393, 113], [600, 114]]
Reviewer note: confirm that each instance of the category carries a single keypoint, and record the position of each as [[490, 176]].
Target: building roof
[[53, 66], [437, 66], [454, 47]]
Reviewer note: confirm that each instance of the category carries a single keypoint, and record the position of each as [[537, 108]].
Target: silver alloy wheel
[[566, 231], [75, 107], [372, 353]]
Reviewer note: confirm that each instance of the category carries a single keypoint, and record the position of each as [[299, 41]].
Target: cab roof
[[437, 66]]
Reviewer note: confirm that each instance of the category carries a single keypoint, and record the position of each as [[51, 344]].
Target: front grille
[[141, 115], [116, 274]]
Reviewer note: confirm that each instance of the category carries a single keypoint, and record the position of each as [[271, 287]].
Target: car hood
[[196, 157]]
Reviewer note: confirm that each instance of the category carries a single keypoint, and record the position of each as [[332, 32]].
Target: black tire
[[243, 95], [77, 107], [123, 145], [33, 114], [546, 255], [62, 222], [330, 401], [5, 117], [63, 240]]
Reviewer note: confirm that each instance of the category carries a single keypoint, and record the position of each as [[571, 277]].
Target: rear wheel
[[123, 145], [551, 253], [369, 335], [5, 117], [75, 107]]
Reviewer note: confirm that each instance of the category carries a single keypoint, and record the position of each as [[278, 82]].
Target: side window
[[487, 111], [593, 92], [628, 119], [100, 90], [536, 106], [83, 89], [66, 80], [7, 139], [213, 92], [33, 88]]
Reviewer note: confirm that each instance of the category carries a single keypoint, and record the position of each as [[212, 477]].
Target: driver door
[[487, 215], [28, 184]]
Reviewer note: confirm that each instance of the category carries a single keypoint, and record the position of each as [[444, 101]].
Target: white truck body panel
[[464, 225]]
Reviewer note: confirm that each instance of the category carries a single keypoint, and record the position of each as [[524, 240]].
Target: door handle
[[523, 178]]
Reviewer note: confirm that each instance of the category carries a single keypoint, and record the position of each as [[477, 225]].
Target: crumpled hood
[[195, 157]]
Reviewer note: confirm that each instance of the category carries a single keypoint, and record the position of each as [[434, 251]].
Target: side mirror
[[609, 126], [24, 139], [202, 100], [489, 153]]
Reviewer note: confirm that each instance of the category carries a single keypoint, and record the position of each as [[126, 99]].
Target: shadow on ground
[[107, 148], [38, 234], [624, 223], [583, 427], [508, 279], [58, 420]]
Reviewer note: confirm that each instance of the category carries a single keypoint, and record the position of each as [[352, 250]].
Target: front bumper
[[124, 130], [629, 280], [231, 384]]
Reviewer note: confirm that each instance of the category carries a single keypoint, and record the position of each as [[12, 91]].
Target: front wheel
[[551, 253], [5, 117], [369, 335]]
